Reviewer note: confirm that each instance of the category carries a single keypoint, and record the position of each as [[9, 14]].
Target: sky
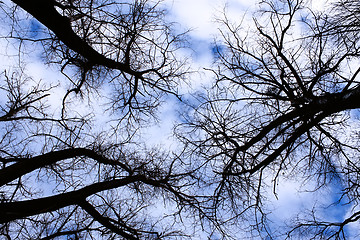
[[199, 16]]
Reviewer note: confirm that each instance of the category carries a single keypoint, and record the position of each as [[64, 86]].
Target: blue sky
[[199, 16], [292, 196]]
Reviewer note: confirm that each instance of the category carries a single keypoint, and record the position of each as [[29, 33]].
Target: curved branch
[[323, 106], [90, 209], [27, 165], [44, 11], [10, 211]]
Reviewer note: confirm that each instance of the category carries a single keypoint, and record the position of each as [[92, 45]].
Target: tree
[[344, 21], [279, 110], [63, 174]]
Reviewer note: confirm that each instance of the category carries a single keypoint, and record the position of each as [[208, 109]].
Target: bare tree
[[280, 109], [344, 20], [61, 174]]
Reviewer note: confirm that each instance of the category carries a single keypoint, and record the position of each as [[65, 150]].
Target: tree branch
[[10, 211], [27, 165]]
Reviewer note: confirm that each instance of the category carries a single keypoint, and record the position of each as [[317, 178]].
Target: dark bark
[[44, 11], [27, 165], [10, 211], [136, 60], [105, 221]]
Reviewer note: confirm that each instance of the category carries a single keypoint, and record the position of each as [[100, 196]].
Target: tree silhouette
[[283, 107], [62, 173], [280, 110]]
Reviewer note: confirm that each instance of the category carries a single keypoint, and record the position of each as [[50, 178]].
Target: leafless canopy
[[63, 173], [283, 107], [280, 110]]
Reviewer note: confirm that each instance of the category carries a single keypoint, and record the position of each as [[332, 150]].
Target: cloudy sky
[[199, 16]]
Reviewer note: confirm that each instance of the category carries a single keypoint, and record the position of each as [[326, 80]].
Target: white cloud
[[320, 5], [196, 15], [200, 15]]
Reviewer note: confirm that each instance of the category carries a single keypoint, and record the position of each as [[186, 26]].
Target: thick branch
[[17, 210], [27, 165], [324, 106], [44, 11], [104, 220], [300, 131]]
